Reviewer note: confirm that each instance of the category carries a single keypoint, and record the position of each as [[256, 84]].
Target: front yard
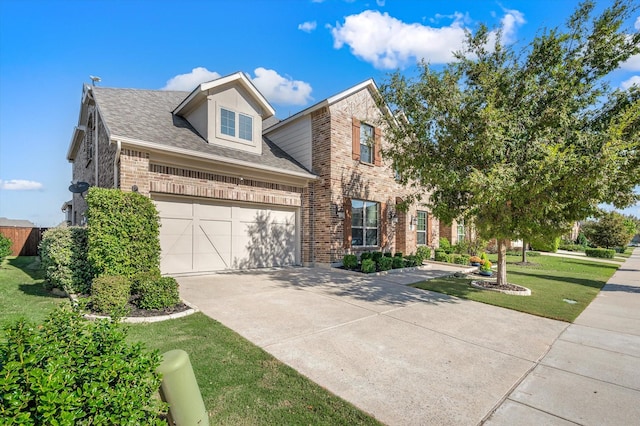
[[240, 383], [561, 288]]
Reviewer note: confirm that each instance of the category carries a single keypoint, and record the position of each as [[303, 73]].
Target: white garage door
[[197, 236]]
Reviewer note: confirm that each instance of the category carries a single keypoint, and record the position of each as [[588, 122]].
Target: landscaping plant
[[350, 261], [368, 266], [5, 248], [69, 371], [159, 293], [63, 252], [110, 294]]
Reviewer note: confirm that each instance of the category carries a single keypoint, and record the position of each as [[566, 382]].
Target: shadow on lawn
[[562, 278], [30, 265], [37, 289]]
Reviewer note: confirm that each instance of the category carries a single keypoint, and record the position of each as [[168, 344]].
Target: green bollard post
[[180, 390]]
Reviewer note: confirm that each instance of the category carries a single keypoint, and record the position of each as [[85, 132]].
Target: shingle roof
[[18, 223], [146, 115]]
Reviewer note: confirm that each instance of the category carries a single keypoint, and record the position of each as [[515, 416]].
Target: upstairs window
[[366, 143], [235, 125]]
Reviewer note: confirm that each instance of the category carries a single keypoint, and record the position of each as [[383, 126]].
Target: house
[[237, 188]]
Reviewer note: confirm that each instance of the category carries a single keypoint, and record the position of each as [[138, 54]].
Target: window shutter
[[383, 225], [355, 139], [377, 154], [347, 223]]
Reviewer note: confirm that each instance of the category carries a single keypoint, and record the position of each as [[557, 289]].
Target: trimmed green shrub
[[441, 256], [570, 247], [385, 263], [533, 253], [582, 240], [545, 244], [412, 260], [453, 257], [5, 248], [123, 232], [140, 277], [365, 255], [600, 252], [63, 252], [445, 245], [69, 371], [461, 260], [387, 254], [398, 254], [110, 294], [376, 256], [397, 262], [620, 249], [424, 252], [368, 266], [158, 294], [350, 261]]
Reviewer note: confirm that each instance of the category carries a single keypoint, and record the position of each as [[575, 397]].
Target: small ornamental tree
[[5, 248], [524, 142], [123, 232], [610, 230]]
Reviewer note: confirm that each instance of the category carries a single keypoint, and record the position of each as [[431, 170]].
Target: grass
[[240, 383], [551, 280], [22, 293]]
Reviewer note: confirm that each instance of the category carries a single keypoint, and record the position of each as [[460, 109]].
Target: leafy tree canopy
[[523, 141], [611, 230]]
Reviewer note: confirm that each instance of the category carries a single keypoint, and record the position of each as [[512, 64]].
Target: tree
[[524, 142], [611, 230], [5, 248]]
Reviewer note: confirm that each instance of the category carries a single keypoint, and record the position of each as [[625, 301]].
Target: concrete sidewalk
[[591, 375], [407, 356]]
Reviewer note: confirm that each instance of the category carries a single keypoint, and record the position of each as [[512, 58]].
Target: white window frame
[[367, 143], [458, 233], [236, 137], [422, 231], [363, 226]]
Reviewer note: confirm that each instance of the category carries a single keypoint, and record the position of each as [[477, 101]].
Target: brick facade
[[343, 178]]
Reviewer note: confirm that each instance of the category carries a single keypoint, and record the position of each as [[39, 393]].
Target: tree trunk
[[502, 262], [524, 251]]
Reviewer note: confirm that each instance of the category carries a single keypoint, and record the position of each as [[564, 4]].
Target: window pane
[[366, 143], [422, 221], [357, 207], [245, 130], [372, 215], [356, 237], [422, 238], [372, 237], [227, 122], [365, 154]]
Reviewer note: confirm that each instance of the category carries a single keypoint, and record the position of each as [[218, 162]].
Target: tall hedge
[[63, 252], [545, 244], [123, 232]]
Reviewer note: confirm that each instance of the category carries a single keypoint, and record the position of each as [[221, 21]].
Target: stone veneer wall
[[342, 177]]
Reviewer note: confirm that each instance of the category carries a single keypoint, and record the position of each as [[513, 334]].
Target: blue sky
[[297, 52]]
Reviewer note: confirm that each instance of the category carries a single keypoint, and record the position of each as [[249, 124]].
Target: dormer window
[[235, 125]]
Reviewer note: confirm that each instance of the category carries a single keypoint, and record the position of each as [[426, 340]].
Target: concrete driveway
[[407, 356]]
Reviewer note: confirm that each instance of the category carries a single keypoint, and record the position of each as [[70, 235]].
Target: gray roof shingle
[[147, 115]]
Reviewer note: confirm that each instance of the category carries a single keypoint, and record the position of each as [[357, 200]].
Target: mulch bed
[[492, 285], [134, 311]]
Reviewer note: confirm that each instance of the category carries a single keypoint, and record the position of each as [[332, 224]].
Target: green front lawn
[[240, 383], [551, 281]]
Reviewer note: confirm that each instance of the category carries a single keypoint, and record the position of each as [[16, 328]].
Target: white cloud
[[635, 80], [388, 43], [380, 2], [20, 185], [189, 81], [307, 27], [637, 24], [281, 90], [631, 64], [510, 23]]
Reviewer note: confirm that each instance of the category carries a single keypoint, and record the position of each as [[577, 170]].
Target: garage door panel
[[197, 236]]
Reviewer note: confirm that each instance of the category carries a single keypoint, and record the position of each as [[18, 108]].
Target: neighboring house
[[235, 187]]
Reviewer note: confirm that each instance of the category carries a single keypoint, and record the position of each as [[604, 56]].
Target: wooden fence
[[24, 241]]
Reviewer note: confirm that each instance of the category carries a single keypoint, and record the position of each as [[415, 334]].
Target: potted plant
[[475, 261], [485, 269]]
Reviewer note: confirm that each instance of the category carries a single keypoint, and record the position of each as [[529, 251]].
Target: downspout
[[116, 159], [312, 221], [95, 144]]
